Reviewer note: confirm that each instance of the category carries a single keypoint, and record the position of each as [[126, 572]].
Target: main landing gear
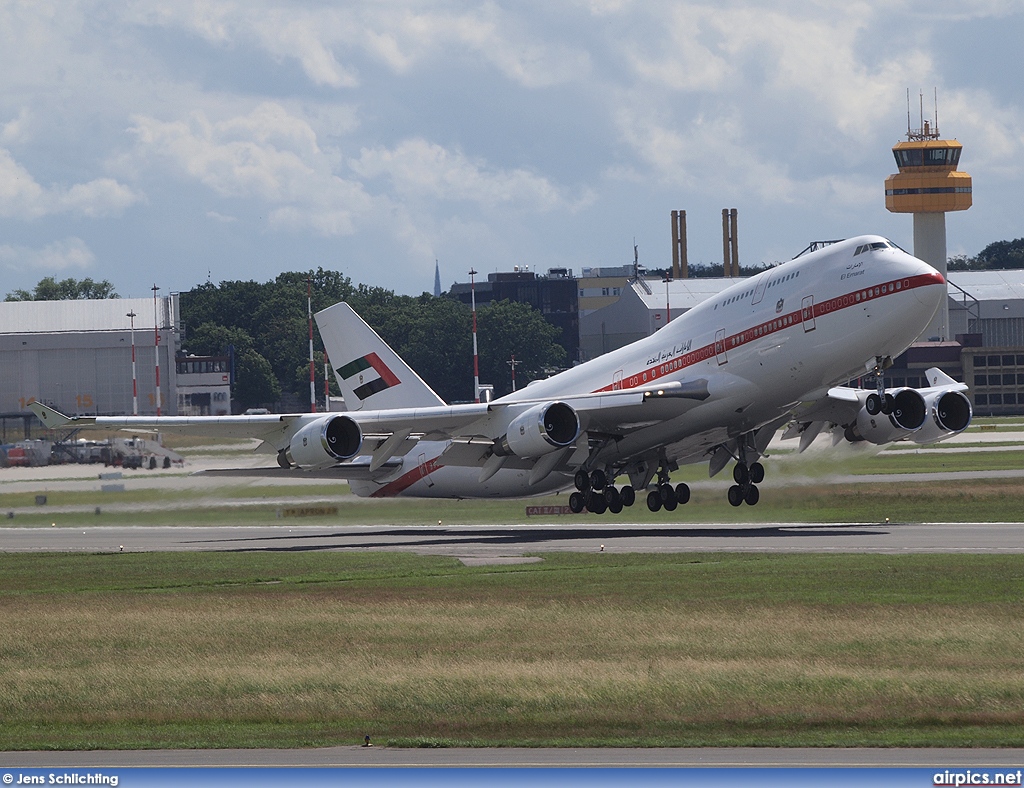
[[596, 494], [665, 495], [747, 478]]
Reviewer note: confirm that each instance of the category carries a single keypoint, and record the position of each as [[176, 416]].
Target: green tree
[[70, 289], [1002, 255], [211, 339], [507, 329], [255, 382]]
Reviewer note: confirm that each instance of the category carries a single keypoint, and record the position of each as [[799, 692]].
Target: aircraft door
[[617, 381], [807, 313], [720, 346], [762, 285], [424, 471]]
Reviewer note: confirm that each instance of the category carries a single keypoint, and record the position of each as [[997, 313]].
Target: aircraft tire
[[889, 404], [757, 473], [612, 497], [597, 504], [582, 481], [873, 404], [740, 474], [654, 500], [736, 495], [670, 504], [628, 495], [751, 496], [668, 496], [577, 502], [615, 508], [682, 493], [598, 480]]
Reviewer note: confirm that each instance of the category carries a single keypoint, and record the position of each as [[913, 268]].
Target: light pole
[[668, 310], [312, 375], [135, 384], [512, 364], [156, 346], [476, 358]]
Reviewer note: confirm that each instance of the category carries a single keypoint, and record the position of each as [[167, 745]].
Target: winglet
[[52, 419]]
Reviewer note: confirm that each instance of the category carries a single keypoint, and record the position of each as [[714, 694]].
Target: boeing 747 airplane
[[712, 386]]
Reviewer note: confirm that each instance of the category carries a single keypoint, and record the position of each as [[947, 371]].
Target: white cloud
[[17, 130], [420, 169], [21, 197], [58, 256], [268, 156]]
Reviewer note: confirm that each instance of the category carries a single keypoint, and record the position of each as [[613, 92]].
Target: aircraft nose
[[928, 285]]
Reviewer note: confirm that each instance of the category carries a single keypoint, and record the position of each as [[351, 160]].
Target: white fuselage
[[762, 345]]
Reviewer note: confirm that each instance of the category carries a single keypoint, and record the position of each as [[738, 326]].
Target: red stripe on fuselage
[[778, 323], [407, 480]]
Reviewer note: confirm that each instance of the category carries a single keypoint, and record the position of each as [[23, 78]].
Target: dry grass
[[632, 653]]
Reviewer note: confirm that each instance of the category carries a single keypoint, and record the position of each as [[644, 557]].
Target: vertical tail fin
[[370, 374]]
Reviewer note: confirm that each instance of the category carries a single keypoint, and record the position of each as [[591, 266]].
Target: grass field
[[244, 650], [986, 500], [225, 650]]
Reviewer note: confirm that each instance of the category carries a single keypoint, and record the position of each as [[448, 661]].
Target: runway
[[483, 544]]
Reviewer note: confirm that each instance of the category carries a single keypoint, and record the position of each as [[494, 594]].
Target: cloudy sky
[[167, 142]]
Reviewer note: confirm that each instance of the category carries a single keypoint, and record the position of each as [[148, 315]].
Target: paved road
[[518, 757], [508, 543]]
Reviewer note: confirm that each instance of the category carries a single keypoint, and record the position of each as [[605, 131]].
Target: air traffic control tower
[[927, 185]]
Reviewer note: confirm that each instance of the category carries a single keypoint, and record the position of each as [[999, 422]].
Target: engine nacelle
[[325, 441], [540, 430], [948, 413], [908, 416]]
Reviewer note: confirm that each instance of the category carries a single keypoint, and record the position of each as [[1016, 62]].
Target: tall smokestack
[[735, 244], [680, 267], [730, 244]]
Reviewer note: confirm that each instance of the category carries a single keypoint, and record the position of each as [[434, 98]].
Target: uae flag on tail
[[385, 380]]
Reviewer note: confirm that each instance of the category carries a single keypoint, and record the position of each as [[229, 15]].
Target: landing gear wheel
[[752, 496], [577, 502], [598, 480], [740, 474], [873, 404], [628, 495], [668, 497], [757, 473], [582, 481], [736, 495], [597, 504], [616, 507], [612, 498], [888, 404], [654, 500], [682, 493]]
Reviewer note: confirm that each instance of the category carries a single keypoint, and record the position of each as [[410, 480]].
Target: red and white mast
[[312, 375], [156, 346]]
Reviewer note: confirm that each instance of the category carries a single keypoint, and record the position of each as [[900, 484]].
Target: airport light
[[156, 346], [476, 357], [134, 380]]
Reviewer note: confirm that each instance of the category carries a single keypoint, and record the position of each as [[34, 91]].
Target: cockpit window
[[874, 246]]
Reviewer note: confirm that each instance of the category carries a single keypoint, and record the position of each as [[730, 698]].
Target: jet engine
[[540, 430], [325, 441], [907, 416], [948, 413]]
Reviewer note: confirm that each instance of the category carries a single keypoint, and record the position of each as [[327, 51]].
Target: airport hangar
[[77, 357]]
